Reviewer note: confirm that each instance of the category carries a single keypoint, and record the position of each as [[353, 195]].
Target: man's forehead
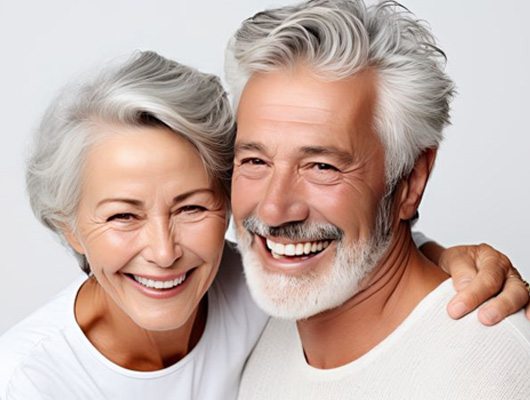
[[294, 113], [299, 96], [284, 109]]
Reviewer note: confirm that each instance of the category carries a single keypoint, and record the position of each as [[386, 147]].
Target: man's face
[[307, 187]]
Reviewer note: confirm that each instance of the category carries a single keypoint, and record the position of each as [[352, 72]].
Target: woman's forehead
[[143, 160]]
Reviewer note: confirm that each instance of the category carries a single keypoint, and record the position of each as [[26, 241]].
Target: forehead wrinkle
[[297, 114]]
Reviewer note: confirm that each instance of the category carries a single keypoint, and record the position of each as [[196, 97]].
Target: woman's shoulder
[[20, 342]]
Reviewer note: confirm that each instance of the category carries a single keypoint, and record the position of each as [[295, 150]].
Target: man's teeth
[[296, 249], [160, 284]]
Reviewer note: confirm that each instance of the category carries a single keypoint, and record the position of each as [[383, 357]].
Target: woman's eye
[[121, 217], [192, 209]]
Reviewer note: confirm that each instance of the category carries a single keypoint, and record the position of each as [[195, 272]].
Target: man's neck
[[401, 280]]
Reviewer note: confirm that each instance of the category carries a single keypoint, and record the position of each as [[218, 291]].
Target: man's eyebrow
[[341, 155], [249, 146]]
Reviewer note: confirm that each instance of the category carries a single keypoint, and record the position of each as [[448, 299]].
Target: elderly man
[[339, 119]]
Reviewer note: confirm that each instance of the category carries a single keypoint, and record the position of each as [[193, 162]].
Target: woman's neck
[[122, 341]]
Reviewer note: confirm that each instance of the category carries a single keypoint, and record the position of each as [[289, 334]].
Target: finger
[[527, 311], [487, 283], [462, 270], [513, 297], [462, 273]]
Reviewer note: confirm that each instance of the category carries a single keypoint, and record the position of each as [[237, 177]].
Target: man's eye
[[252, 161], [323, 167], [321, 173], [252, 168], [121, 217]]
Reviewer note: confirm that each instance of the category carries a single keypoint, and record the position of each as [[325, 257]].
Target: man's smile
[[296, 248], [286, 260]]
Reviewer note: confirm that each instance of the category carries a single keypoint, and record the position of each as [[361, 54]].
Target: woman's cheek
[[113, 248], [206, 235]]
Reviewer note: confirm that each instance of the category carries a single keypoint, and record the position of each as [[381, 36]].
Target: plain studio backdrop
[[479, 191]]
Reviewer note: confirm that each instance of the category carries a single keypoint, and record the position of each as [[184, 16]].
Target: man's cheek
[[245, 197]]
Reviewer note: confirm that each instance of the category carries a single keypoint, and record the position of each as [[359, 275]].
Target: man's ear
[[414, 186], [72, 239]]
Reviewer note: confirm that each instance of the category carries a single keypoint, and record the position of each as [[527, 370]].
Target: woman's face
[[150, 223]]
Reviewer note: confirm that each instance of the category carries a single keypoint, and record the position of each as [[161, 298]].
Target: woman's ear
[[72, 239], [414, 186]]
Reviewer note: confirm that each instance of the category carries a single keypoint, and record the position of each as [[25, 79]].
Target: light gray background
[[479, 191]]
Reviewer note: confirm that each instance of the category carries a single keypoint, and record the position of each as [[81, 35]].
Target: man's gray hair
[[146, 90], [338, 38]]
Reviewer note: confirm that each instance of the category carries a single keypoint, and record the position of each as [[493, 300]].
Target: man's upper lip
[[281, 240]]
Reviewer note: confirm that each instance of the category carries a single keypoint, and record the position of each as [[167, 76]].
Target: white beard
[[327, 287]]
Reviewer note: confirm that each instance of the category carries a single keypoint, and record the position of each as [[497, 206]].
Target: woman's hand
[[480, 275]]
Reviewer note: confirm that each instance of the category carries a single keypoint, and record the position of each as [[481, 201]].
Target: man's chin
[[292, 297], [334, 278]]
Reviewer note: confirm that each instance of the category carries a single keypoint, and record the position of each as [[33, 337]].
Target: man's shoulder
[[515, 328], [429, 328], [433, 316], [22, 340], [463, 357]]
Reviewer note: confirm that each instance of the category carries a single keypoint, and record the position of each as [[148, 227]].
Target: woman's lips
[[160, 288]]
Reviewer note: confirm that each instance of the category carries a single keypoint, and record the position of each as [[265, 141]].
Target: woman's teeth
[[150, 283], [296, 249]]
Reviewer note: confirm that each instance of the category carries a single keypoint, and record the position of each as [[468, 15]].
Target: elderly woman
[[132, 171]]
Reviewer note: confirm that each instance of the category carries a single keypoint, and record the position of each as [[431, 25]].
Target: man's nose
[[162, 247], [283, 199]]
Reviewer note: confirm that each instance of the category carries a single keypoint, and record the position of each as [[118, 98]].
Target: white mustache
[[294, 231]]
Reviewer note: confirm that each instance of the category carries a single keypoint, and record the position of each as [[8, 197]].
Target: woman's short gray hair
[[146, 90], [337, 38]]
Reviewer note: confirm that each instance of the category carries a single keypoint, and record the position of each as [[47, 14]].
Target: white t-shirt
[[429, 356], [47, 356]]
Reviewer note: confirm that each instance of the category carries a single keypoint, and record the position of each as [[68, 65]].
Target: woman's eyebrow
[[133, 202], [139, 203], [184, 196]]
